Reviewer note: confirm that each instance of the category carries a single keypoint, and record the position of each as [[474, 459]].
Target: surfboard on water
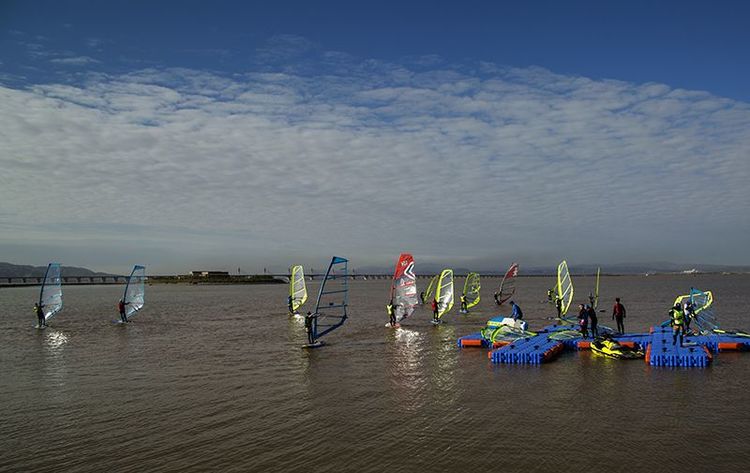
[[332, 303], [507, 285], [50, 294], [297, 288], [403, 293]]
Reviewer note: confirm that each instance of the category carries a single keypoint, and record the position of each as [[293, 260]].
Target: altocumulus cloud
[[366, 159]]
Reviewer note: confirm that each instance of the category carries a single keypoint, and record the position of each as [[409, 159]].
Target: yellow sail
[[564, 287], [297, 288], [431, 287], [471, 290], [444, 292]]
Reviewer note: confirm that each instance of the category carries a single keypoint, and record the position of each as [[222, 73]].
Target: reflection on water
[[214, 378]]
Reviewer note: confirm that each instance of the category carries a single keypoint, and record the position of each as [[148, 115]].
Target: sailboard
[[564, 288], [472, 287], [50, 295], [135, 291], [444, 293], [333, 300], [404, 287], [507, 285], [297, 288], [704, 316], [431, 287]]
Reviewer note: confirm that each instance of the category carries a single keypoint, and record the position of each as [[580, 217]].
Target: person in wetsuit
[[583, 321], [39, 311], [593, 321], [497, 298], [689, 311], [677, 321], [517, 313], [309, 327], [290, 303], [618, 314], [435, 318], [391, 313], [421, 297], [558, 306], [463, 304], [121, 308]]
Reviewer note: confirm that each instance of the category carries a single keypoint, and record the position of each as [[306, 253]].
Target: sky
[[217, 135]]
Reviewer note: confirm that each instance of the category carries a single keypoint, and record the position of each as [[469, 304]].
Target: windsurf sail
[[507, 285], [333, 299], [297, 287], [595, 297], [431, 287], [50, 295], [444, 292], [404, 287], [471, 290], [702, 302], [564, 288], [135, 291]]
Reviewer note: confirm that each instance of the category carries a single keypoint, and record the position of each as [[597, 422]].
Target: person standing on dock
[[677, 320], [39, 311], [593, 321], [618, 314], [517, 312], [583, 320], [689, 310]]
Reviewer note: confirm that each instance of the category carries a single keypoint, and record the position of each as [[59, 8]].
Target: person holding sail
[[464, 309], [435, 318], [39, 311], [121, 308], [391, 313]]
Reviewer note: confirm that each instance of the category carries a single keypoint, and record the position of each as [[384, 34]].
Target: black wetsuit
[[40, 316], [309, 328], [121, 308], [593, 321]]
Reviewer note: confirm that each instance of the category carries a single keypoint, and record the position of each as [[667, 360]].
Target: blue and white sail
[[135, 291], [333, 299], [50, 295]]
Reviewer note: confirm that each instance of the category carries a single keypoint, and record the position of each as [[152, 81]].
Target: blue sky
[[257, 134]]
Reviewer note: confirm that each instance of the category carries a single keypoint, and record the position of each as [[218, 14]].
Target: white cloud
[[74, 61], [373, 159]]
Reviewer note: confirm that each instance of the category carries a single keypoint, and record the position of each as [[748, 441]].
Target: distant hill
[[9, 270]]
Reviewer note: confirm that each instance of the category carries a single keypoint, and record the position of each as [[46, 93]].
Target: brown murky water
[[212, 378]]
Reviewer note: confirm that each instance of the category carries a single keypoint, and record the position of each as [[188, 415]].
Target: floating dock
[[547, 344]]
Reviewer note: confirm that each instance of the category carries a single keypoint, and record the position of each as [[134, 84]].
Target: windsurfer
[[121, 308], [421, 297], [558, 306], [391, 313], [618, 314], [583, 320], [463, 304], [39, 311], [309, 327], [677, 320], [290, 302], [517, 313], [435, 318], [497, 298]]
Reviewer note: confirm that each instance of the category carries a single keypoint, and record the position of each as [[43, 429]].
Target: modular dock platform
[[546, 345]]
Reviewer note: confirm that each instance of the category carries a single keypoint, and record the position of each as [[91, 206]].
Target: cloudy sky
[[259, 136]]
